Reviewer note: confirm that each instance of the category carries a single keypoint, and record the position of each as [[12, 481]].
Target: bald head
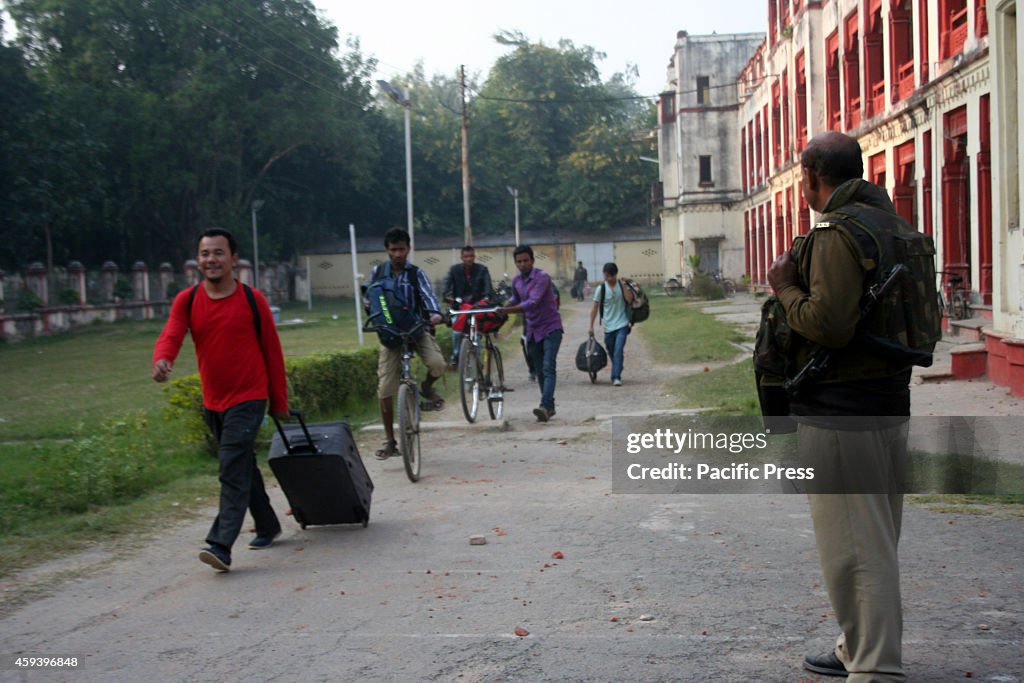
[[834, 158], [828, 161]]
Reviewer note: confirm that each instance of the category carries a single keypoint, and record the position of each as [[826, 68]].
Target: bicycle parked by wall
[[674, 285], [408, 402], [728, 284], [481, 373], [953, 295]]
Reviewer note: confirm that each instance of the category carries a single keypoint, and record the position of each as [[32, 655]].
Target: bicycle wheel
[[409, 429], [469, 380], [958, 307], [496, 382], [672, 287], [729, 288]]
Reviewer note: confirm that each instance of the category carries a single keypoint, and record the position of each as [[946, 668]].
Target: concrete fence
[[36, 302]]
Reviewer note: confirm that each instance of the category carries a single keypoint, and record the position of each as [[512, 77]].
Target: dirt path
[[606, 587]]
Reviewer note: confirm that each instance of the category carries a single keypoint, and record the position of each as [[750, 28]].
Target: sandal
[[433, 399], [390, 448]]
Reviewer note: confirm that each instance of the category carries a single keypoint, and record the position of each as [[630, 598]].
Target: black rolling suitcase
[[321, 473]]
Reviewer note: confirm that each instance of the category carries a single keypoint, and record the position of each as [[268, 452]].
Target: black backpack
[[390, 308], [248, 295], [639, 310]]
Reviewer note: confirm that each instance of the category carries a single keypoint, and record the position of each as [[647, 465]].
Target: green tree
[[545, 123], [200, 103]]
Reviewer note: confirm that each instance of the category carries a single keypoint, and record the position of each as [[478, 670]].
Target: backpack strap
[[604, 288], [248, 295]]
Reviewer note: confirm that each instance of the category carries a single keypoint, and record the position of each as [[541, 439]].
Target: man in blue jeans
[[611, 302], [533, 295]]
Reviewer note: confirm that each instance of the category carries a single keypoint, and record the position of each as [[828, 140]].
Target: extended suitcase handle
[[284, 438]]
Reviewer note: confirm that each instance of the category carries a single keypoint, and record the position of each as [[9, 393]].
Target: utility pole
[[465, 158]]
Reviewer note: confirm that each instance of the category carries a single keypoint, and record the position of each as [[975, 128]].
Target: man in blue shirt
[[611, 300], [389, 362]]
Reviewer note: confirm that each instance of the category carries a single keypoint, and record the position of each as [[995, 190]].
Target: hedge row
[[317, 385]]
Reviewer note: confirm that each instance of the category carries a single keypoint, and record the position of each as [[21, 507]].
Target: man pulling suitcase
[[241, 367]]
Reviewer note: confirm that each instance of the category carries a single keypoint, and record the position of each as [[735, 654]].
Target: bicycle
[[954, 303], [673, 285], [408, 403], [728, 284], [480, 378]]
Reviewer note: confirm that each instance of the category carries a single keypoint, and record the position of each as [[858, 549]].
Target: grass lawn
[[54, 385], [81, 421], [678, 332]]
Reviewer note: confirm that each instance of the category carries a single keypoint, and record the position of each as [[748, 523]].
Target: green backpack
[[906, 324]]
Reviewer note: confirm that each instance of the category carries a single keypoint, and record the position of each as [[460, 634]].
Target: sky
[[446, 33]]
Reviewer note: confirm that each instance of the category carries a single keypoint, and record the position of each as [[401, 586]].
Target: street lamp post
[[257, 204], [401, 97], [515, 200]]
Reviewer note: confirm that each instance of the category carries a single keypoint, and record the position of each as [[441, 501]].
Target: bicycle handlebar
[[472, 311], [367, 327]]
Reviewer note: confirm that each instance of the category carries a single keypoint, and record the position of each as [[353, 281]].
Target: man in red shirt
[[241, 366]]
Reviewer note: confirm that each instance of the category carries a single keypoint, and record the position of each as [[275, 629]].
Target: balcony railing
[[877, 103], [957, 32], [853, 113], [905, 81]]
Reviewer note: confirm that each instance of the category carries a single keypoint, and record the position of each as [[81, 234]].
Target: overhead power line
[[262, 58], [588, 100]]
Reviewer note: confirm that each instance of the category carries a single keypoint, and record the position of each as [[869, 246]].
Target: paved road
[[608, 587]]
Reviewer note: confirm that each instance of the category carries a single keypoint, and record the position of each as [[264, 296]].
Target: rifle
[[820, 359]]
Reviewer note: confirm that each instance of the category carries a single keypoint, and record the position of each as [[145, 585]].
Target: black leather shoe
[[261, 542], [827, 664], [216, 557]]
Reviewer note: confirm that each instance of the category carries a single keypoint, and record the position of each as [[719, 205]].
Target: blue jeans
[[241, 484], [456, 345], [544, 353], [615, 344]]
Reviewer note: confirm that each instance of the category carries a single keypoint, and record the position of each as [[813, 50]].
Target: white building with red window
[[918, 83], [699, 153]]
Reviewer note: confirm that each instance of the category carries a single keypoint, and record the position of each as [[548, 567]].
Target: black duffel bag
[[591, 358]]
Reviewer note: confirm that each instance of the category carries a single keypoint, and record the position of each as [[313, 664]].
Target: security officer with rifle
[[847, 379]]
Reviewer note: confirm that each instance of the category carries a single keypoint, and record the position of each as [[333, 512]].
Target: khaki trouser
[[389, 364], [857, 536]]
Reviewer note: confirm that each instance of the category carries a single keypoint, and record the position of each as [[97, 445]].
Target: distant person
[[241, 367], [579, 281], [611, 302], [533, 295], [417, 285], [469, 282], [852, 416]]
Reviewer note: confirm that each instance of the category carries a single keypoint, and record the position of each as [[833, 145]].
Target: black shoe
[[261, 542], [827, 664], [216, 557], [544, 414]]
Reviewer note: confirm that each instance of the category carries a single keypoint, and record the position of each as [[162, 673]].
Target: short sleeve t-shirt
[[615, 317]]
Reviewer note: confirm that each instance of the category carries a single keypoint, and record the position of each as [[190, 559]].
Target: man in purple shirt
[[533, 295]]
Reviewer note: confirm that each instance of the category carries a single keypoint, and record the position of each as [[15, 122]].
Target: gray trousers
[[241, 484], [857, 536]]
